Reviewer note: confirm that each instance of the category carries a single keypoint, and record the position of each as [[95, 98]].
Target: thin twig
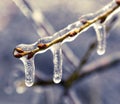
[[87, 55], [75, 75]]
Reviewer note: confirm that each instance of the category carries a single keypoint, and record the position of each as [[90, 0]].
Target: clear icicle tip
[[29, 83], [57, 80], [100, 51]]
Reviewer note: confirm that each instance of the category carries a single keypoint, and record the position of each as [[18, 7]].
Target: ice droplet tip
[[56, 80], [28, 84], [100, 52]]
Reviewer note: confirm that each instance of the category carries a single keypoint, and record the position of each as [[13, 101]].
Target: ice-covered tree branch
[[72, 33], [97, 20]]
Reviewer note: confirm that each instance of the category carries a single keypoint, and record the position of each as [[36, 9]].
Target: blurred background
[[100, 87]]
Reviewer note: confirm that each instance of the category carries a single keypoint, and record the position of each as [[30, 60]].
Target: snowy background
[[99, 88]]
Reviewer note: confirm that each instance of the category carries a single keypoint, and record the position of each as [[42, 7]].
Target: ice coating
[[57, 61], [101, 38], [107, 7], [67, 29], [112, 18], [90, 16], [70, 27]]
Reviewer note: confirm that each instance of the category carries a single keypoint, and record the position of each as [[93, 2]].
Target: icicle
[[101, 38], [28, 63], [29, 71], [57, 60]]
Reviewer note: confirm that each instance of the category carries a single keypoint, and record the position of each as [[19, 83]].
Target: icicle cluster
[[100, 29]]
